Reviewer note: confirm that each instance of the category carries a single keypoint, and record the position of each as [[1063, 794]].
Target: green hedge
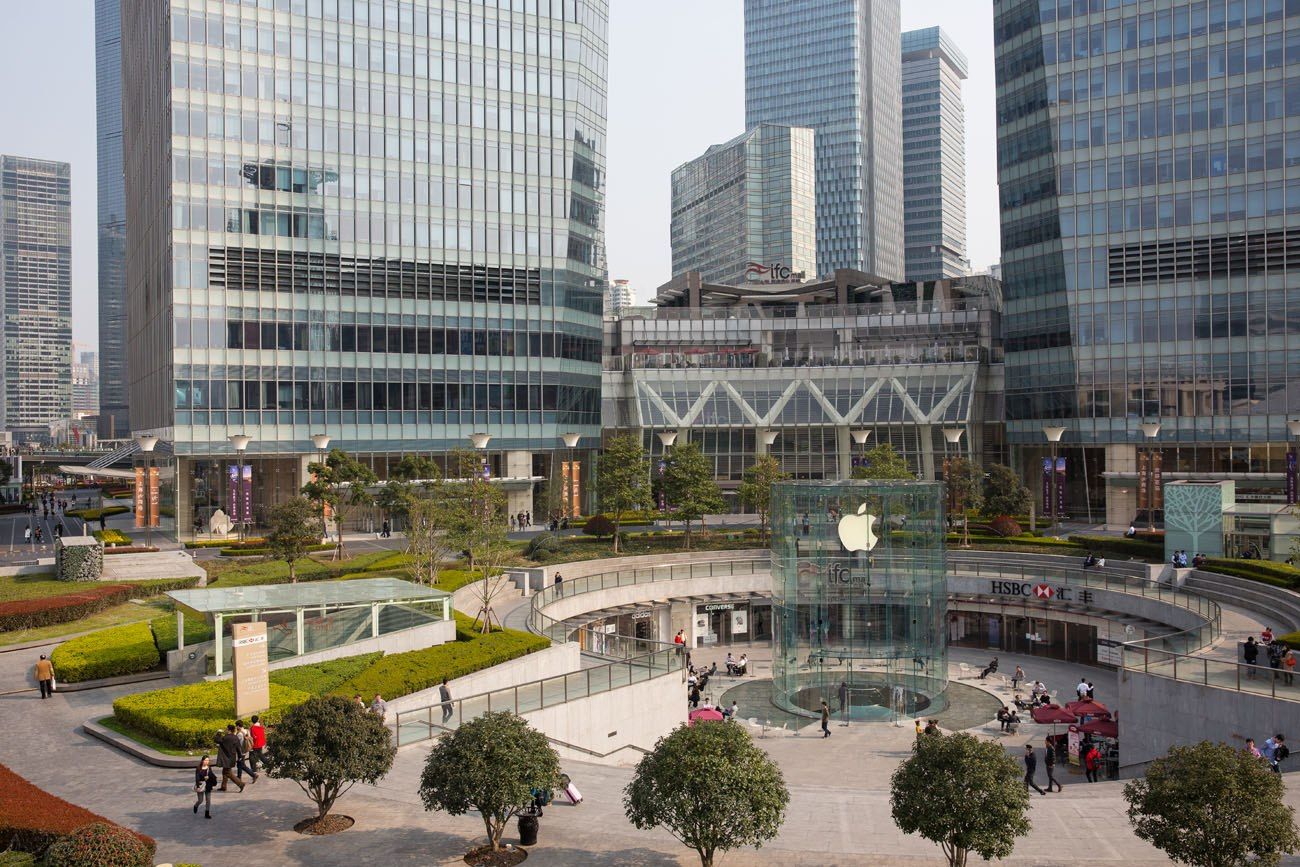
[[401, 674], [223, 543], [1264, 571], [319, 678], [1122, 546], [112, 652], [452, 580], [197, 630], [96, 514], [264, 552], [112, 537], [188, 717]]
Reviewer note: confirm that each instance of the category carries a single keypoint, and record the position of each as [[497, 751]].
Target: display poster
[[252, 686], [140, 501]]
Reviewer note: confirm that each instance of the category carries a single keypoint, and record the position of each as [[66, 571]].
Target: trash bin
[[528, 830]]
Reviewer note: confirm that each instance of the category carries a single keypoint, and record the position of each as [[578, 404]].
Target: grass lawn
[[127, 612], [239, 573], [14, 587]]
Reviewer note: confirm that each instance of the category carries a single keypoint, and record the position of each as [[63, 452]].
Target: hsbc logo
[[1043, 591]]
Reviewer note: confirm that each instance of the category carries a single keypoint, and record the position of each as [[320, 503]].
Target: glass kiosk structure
[[859, 597]]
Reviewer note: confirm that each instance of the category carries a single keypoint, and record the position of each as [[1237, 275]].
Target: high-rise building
[[381, 223], [36, 288], [112, 398], [834, 66], [934, 155], [746, 205], [1150, 202], [619, 298], [85, 381]]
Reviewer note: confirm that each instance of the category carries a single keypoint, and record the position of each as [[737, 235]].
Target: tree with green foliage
[[1004, 493], [410, 479], [689, 488], [1211, 805], [963, 481], [755, 490], [427, 541], [711, 787], [342, 483], [326, 745], [475, 512], [490, 764], [883, 463], [622, 480], [292, 533], [963, 793]]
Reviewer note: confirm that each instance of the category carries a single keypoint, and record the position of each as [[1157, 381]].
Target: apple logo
[[855, 531]]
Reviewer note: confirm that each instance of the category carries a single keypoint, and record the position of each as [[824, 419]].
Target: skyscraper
[[36, 288], [834, 66], [619, 298], [751, 201], [1150, 201], [113, 420], [934, 155], [85, 380], [381, 223]]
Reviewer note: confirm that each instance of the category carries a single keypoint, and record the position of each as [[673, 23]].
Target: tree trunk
[[706, 857], [293, 578], [616, 526], [495, 831]]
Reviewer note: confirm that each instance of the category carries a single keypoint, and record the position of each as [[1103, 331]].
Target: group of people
[[737, 667], [378, 706], [1179, 560], [1275, 750], [1281, 658], [521, 521], [1092, 561], [239, 751]]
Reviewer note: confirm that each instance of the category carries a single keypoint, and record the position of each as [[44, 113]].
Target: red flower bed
[[48, 610], [31, 818]]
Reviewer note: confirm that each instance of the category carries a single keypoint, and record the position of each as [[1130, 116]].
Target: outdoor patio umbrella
[[1088, 708], [706, 714], [1104, 727], [1051, 713]]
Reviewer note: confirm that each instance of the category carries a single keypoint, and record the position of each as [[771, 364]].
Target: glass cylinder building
[[858, 598]]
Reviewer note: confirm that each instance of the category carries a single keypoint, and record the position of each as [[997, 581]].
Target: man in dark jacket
[[1031, 765], [228, 749], [1250, 653]]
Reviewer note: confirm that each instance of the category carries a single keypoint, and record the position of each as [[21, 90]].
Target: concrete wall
[[553, 661], [1158, 713]]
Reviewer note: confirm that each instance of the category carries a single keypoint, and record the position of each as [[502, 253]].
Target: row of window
[[400, 396], [1191, 19]]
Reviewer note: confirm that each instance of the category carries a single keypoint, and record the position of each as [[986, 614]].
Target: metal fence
[[1222, 673]]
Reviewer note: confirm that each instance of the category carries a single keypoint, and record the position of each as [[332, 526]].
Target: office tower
[[36, 287], [85, 381], [747, 205], [834, 66], [1150, 202], [380, 223], [934, 155], [619, 298], [113, 420]]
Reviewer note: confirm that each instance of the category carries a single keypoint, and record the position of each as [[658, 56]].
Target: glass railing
[[1220, 673]]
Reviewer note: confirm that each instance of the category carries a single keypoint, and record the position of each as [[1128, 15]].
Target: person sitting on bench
[[990, 668]]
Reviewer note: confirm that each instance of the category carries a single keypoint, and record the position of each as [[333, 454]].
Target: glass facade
[[859, 598], [834, 66], [113, 421], [934, 155], [378, 220], [750, 201], [36, 291], [1147, 156]]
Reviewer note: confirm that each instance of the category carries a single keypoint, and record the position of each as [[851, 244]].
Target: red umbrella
[[704, 714], [1088, 707], [1104, 727], [1051, 713]]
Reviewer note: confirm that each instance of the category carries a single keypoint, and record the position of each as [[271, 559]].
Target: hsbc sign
[[1025, 589], [776, 272]]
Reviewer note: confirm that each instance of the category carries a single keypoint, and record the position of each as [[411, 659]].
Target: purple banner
[[1047, 486], [1291, 478], [232, 492], [1059, 481], [248, 494]]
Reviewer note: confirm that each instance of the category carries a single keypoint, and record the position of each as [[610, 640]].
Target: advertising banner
[[232, 492], [140, 501], [1157, 484], [153, 497], [1059, 481], [252, 685], [1143, 502], [739, 622], [246, 490], [1291, 478]]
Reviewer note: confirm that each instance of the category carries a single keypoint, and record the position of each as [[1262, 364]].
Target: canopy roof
[[312, 594]]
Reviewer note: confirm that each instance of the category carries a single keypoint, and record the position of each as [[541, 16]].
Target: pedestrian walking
[[1031, 765], [205, 780], [826, 720], [444, 695], [1288, 666], [1250, 653], [1049, 762], [45, 676], [1092, 763], [27, 535], [843, 692], [257, 733], [228, 754], [559, 584], [379, 708]]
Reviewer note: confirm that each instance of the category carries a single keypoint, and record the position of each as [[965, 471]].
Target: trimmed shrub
[[1264, 571], [78, 562], [452, 580], [1124, 547], [257, 542], [112, 538], [31, 818], [265, 552], [96, 514], [100, 845], [48, 610], [119, 650], [164, 631], [598, 525], [187, 717], [320, 678], [17, 859], [1004, 526], [542, 546], [401, 674]]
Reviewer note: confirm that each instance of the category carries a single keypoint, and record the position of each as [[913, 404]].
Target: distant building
[[619, 298], [934, 155], [112, 221], [834, 66], [747, 205], [85, 381], [36, 288]]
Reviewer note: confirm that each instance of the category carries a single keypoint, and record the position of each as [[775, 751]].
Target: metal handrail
[[1218, 673]]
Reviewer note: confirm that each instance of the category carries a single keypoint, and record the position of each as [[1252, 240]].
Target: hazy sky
[[677, 85]]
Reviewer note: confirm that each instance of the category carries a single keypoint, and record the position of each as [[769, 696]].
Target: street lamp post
[[146, 444], [321, 442], [240, 443], [1053, 434], [667, 438], [952, 436], [570, 441], [1151, 430], [860, 437]]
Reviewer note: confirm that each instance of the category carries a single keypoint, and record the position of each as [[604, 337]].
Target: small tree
[[962, 793], [408, 480], [600, 525], [689, 486], [427, 541], [711, 787], [883, 463], [343, 484], [326, 745], [491, 765], [963, 483], [1004, 494], [293, 532], [756, 489], [622, 479], [1210, 805]]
